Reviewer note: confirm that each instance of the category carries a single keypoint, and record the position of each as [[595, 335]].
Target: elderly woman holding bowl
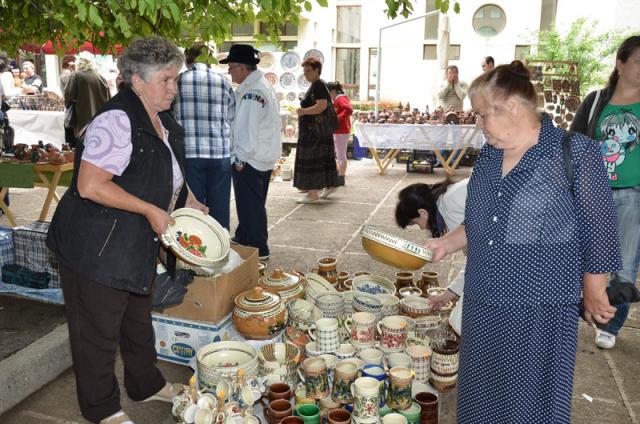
[[129, 177], [537, 245]]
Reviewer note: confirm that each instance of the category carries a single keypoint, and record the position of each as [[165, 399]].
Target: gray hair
[[146, 56], [28, 64], [250, 66]]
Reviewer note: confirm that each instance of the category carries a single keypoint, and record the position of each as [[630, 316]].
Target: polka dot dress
[[530, 240]]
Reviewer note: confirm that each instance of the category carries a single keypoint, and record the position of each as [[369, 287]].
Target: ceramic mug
[[345, 374], [325, 333], [361, 326], [398, 359], [339, 416], [365, 391], [399, 392], [315, 376], [371, 356], [429, 407], [277, 410], [301, 396], [279, 391], [420, 359], [346, 350], [310, 413], [393, 333], [377, 372], [394, 418]]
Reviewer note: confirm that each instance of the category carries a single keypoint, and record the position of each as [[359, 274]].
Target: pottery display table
[[34, 125], [29, 175], [456, 138]]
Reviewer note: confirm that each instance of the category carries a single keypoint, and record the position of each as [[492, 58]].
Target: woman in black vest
[[129, 177]]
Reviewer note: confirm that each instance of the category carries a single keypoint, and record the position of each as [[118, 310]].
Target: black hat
[[242, 53]]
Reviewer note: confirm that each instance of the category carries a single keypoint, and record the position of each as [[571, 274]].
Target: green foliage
[[583, 45], [109, 22]]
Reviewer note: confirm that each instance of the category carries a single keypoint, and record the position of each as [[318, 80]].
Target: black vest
[[111, 246]]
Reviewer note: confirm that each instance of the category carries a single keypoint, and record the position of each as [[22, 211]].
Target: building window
[[489, 20], [239, 30], [348, 70], [522, 52], [348, 24], [431, 22], [287, 29], [373, 72], [430, 52], [548, 15]]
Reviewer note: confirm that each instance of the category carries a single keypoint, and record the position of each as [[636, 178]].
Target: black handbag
[[326, 123]]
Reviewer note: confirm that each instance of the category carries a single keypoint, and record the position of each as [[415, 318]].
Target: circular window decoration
[[489, 20]]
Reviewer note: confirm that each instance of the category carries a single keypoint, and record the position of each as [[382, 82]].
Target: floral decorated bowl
[[373, 284], [221, 361], [366, 302], [394, 251], [197, 238]]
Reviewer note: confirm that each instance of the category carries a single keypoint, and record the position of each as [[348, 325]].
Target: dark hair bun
[[518, 68]]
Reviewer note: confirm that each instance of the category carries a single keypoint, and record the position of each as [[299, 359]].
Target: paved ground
[[299, 235]]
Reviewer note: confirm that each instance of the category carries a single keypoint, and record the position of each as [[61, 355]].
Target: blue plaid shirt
[[205, 107]]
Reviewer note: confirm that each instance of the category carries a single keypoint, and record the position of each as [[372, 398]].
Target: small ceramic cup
[[277, 410], [279, 391], [394, 418], [310, 413], [339, 416], [371, 356], [346, 350]]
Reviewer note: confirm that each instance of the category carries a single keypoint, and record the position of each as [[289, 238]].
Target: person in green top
[[612, 117]]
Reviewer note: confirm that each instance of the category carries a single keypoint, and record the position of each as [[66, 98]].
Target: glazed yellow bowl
[[394, 251]]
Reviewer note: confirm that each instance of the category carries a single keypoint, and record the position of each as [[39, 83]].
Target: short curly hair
[[146, 56]]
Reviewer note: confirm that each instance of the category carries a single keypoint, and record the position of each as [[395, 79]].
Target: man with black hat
[[255, 145]]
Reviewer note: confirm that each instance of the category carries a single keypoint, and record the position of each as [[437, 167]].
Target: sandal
[[118, 418], [328, 192], [307, 199]]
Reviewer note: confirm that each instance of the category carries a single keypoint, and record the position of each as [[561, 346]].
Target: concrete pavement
[[299, 235]]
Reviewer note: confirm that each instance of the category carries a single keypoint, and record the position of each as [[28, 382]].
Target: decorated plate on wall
[[272, 78], [291, 96], [316, 53], [287, 80], [303, 83], [290, 60], [572, 103], [266, 60]]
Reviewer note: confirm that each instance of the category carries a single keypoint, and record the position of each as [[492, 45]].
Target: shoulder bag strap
[[593, 106], [568, 160]]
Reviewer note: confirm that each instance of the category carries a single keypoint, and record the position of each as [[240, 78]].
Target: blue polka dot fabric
[[530, 240]]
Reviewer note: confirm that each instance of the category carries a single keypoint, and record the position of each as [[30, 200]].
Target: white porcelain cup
[[398, 359], [204, 416], [371, 356], [394, 418], [223, 390], [207, 401], [189, 414], [250, 394], [346, 350]]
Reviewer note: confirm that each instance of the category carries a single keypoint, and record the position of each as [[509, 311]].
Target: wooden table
[[393, 137], [48, 176]]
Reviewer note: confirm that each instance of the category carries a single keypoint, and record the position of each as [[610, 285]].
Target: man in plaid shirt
[[205, 107]]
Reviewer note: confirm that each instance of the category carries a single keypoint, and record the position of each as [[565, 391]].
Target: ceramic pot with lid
[[286, 285], [259, 313]]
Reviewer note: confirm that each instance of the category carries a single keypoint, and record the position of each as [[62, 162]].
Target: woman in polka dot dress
[[534, 248]]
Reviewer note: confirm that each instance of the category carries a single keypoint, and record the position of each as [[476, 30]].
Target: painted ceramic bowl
[[373, 284], [316, 284], [197, 238], [366, 302], [221, 361], [393, 250], [390, 304], [302, 314], [415, 306]]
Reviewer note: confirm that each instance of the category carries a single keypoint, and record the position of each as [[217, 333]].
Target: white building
[[347, 32]]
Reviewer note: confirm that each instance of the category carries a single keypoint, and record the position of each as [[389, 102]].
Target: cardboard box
[[178, 340], [211, 299]]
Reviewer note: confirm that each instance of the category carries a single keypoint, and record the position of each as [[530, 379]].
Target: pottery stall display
[[287, 285], [259, 314]]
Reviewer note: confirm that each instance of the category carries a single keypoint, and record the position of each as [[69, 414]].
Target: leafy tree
[[109, 22], [583, 45]]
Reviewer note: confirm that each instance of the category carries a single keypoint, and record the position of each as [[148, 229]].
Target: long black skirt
[[315, 166]]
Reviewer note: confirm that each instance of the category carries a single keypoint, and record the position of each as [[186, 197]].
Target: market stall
[[32, 126], [393, 137], [29, 175]]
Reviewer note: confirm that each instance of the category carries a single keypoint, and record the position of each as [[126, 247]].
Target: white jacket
[[255, 137]]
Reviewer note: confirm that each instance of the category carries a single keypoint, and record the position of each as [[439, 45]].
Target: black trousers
[[250, 187], [100, 318]]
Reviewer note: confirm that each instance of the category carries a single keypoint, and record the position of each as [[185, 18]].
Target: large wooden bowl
[[393, 250]]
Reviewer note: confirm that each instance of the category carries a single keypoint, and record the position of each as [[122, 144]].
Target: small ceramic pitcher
[[345, 374], [327, 269], [315, 377], [365, 391], [404, 279], [399, 392]]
